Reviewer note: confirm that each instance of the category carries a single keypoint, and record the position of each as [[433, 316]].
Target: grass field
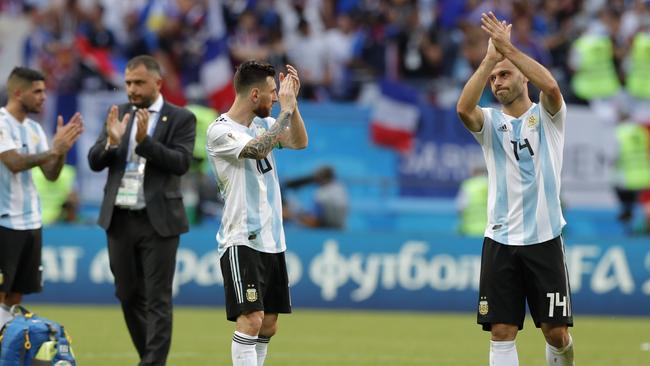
[[341, 338]]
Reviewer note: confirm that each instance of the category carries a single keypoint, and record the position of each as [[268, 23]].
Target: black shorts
[[20, 261], [512, 275], [254, 281]]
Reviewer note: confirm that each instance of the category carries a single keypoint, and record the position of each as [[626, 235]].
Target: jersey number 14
[[517, 146], [559, 301]]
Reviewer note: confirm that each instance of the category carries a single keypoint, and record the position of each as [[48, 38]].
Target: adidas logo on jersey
[[503, 128]]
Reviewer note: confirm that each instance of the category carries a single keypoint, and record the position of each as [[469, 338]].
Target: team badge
[[483, 307], [36, 139], [251, 294], [260, 130], [532, 121]]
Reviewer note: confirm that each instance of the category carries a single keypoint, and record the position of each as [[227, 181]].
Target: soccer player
[[23, 146], [250, 240], [523, 252]]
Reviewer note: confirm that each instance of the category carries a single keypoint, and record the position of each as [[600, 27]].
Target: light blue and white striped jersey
[[524, 162], [252, 214], [19, 205]]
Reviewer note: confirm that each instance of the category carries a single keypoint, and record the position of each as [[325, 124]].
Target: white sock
[[560, 356], [261, 346], [5, 315], [243, 350], [503, 353]]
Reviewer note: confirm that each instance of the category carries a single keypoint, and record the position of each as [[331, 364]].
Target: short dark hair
[[149, 63], [21, 77], [25, 74], [250, 73]]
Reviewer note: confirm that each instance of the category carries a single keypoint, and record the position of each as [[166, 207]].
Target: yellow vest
[[52, 195], [637, 81], [633, 164], [204, 117], [596, 75], [474, 215]]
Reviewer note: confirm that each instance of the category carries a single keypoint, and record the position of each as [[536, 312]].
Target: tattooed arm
[[259, 147]]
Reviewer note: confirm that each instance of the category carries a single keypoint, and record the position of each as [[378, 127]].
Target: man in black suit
[[147, 145]]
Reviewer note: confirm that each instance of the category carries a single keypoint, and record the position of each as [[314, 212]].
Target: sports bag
[[31, 340]]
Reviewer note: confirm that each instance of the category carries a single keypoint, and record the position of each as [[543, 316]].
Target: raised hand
[[294, 73], [492, 53], [66, 134], [114, 127], [499, 32], [143, 124], [289, 85]]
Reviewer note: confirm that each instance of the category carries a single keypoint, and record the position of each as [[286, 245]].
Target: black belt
[[138, 212]]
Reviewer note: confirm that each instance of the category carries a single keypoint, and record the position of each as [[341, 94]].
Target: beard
[[508, 97], [31, 108], [262, 112], [144, 102]]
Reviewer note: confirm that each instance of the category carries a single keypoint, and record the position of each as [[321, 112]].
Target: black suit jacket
[[168, 152]]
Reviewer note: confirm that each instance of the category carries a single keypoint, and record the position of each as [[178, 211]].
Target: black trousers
[[143, 265]]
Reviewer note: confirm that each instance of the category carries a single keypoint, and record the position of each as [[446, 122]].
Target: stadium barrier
[[357, 269]]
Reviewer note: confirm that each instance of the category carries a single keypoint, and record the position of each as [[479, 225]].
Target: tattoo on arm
[[18, 162], [259, 147], [52, 167]]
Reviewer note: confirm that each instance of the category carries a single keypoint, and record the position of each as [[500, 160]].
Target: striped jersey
[[524, 162], [19, 205], [252, 213]]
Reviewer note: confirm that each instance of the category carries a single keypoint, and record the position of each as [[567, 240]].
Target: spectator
[[330, 200], [472, 204], [632, 167]]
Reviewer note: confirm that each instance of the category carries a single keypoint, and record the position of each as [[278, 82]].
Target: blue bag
[[31, 340]]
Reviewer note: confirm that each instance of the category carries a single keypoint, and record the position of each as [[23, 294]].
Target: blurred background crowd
[[599, 51], [339, 45]]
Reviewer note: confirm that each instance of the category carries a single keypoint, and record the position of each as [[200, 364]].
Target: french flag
[[395, 116], [216, 71]]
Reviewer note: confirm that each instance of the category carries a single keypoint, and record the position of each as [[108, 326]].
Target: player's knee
[[269, 330], [503, 332], [250, 323], [556, 335]]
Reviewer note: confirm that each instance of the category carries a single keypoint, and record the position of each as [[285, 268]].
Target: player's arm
[[17, 162], [467, 107], [64, 138], [550, 95], [50, 161], [295, 137], [259, 147]]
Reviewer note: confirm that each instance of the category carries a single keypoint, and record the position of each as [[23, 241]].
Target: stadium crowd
[[339, 44]]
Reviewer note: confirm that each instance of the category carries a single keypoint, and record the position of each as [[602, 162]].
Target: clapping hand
[[67, 134], [289, 86], [143, 124], [499, 32], [114, 127]]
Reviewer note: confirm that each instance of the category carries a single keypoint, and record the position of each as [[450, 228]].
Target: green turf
[[340, 338]]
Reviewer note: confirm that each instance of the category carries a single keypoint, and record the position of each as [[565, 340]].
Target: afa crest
[[251, 294], [483, 307], [532, 121]]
